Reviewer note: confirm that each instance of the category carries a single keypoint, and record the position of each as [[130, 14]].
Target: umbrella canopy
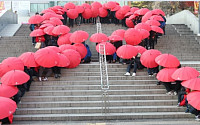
[[86, 6], [167, 60], [165, 74], [152, 23], [87, 14], [60, 30], [157, 29], [47, 16], [129, 23], [81, 49], [193, 99], [127, 51], [146, 16], [7, 107], [125, 9], [133, 9], [73, 56], [56, 20], [132, 16], [132, 36], [119, 15], [119, 32], [142, 11], [69, 5], [95, 12], [79, 36], [15, 77], [103, 12], [109, 48], [148, 58], [145, 34], [48, 30], [185, 73], [11, 63], [49, 22], [63, 60], [47, 11], [115, 38], [193, 84], [96, 4], [110, 4], [54, 48], [36, 19], [45, 25], [7, 91], [79, 9], [66, 46], [64, 39], [72, 13], [37, 32], [156, 17], [143, 26], [28, 59], [116, 8], [141, 49], [158, 12], [128, 14], [98, 37], [46, 57]]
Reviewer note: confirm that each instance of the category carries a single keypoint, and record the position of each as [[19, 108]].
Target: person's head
[[139, 55], [36, 13]]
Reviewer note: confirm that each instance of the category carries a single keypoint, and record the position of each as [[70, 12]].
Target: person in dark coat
[[44, 71], [194, 111], [87, 58]]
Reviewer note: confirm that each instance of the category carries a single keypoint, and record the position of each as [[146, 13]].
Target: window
[[38, 7]]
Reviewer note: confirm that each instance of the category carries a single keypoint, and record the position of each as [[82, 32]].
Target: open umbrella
[[148, 58], [79, 9], [165, 74], [69, 5], [46, 57], [11, 63], [15, 77], [193, 84], [87, 14], [72, 13], [95, 12], [132, 16], [109, 48], [156, 17], [28, 59], [86, 6], [193, 99], [145, 34], [81, 49], [63, 60], [47, 11], [7, 107], [96, 4], [7, 91], [158, 12], [167, 60], [79, 36], [60, 30], [45, 25], [64, 39], [185, 73], [48, 30], [152, 23], [142, 11], [110, 4], [119, 15], [47, 16], [37, 32], [127, 51], [115, 38], [141, 49], [132, 36], [117, 7], [49, 22], [119, 32], [133, 9], [56, 20], [73, 56], [129, 23], [66, 46], [128, 14], [98, 37], [143, 26], [54, 48], [103, 12], [125, 9], [146, 16], [36, 19], [157, 29]]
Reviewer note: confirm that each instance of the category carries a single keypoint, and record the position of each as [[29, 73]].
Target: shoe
[[187, 110], [134, 74], [197, 118], [45, 79], [169, 93], [114, 61], [56, 76], [175, 93], [40, 79], [127, 74], [178, 105], [158, 83]]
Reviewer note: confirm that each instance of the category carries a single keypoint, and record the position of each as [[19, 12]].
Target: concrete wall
[[9, 18], [187, 18]]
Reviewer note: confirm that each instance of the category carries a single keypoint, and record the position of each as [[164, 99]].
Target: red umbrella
[[15, 77], [81, 49], [116, 8], [119, 15], [69, 5], [98, 37], [36, 19], [56, 20], [146, 16], [143, 26], [152, 23], [110, 4], [132, 16], [46, 57], [132, 36], [80, 9], [158, 12], [96, 4], [129, 23], [128, 14], [86, 6], [133, 9], [54, 48], [8, 91], [48, 30], [157, 29], [63, 60], [73, 56], [7, 107], [72, 13], [79, 36], [9, 64], [167, 60], [185, 73], [119, 32], [28, 59], [37, 32], [66, 46], [60, 30], [115, 38], [47, 16], [193, 99], [45, 25], [49, 22], [141, 49], [142, 11], [125, 9], [148, 58], [165, 74], [87, 14], [127, 51], [47, 11], [145, 34], [193, 84], [156, 17], [54, 8], [64, 39], [103, 12], [95, 12], [109, 48]]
